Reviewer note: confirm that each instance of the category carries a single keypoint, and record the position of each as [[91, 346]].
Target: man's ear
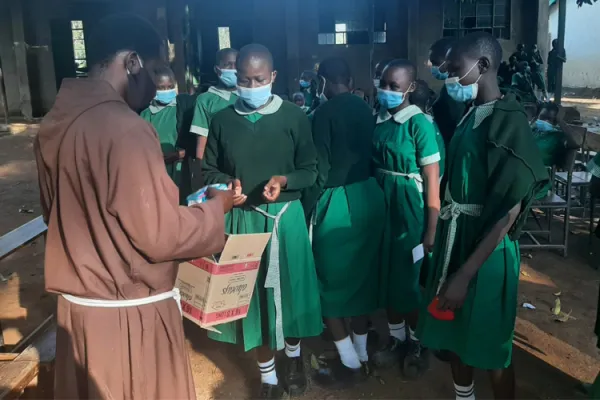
[[484, 65], [133, 63], [274, 76], [217, 71]]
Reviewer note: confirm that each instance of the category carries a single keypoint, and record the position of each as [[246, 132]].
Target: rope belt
[[172, 294], [451, 212], [272, 279], [415, 176]]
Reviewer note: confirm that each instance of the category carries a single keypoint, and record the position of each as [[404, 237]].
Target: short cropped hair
[[123, 32]]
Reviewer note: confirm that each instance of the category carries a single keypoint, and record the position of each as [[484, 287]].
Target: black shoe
[[294, 378], [268, 391], [416, 362], [332, 374], [391, 354]]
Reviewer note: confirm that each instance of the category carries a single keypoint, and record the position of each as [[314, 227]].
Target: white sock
[[292, 350], [347, 353], [465, 392], [398, 331], [412, 335], [267, 372], [360, 345]]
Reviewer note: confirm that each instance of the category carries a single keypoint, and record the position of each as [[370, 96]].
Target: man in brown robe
[[115, 227]]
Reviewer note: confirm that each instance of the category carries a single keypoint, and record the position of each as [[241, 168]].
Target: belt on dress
[[273, 280], [451, 212], [414, 176], [82, 301]]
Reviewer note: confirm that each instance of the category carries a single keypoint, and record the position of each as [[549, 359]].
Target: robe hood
[[75, 97]]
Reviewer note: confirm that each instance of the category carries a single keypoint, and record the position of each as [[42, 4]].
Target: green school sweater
[[254, 149], [342, 131]]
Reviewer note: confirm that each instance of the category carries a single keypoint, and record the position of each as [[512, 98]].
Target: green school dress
[[593, 166], [521, 84], [348, 217], [164, 120], [207, 105], [552, 146], [402, 144], [253, 146], [493, 164], [441, 145]]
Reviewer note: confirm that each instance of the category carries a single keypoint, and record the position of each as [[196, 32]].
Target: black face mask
[[141, 90]]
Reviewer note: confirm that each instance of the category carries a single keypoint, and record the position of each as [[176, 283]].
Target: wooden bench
[[19, 367]]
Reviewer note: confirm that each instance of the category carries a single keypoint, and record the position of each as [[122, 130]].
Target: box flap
[[242, 247]]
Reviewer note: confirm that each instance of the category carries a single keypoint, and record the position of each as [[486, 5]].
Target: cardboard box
[[218, 289]]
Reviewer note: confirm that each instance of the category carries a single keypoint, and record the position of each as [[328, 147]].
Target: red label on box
[[216, 269], [211, 318]]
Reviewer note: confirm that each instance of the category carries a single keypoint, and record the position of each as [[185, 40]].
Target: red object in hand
[[442, 315]]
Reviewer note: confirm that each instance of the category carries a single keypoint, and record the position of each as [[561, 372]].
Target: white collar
[[401, 116], [155, 107], [481, 113], [222, 93], [271, 108]]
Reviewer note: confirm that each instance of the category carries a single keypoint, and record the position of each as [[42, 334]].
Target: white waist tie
[[272, 280], [172, 294], [415, 176], [451, 212]]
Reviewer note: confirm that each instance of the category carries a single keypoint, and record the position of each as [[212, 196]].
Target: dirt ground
[[551, 357]]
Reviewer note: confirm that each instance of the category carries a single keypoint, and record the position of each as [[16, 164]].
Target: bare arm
[[431, 174], [200, 146]]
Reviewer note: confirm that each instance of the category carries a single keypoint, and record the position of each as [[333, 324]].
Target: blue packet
[[200, 196]]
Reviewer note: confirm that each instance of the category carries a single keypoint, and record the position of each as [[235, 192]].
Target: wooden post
[[20, 48], [3, 104], [292, 44], [175, 15], [562, 22]]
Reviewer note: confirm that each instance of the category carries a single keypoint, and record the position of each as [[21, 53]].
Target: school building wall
[[288, 28], [581, 44]]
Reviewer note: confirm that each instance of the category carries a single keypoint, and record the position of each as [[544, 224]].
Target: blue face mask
[[228, 77], [165, 96], [255, 97], [459, 92], [543, 126], [304, 84], [437, 74], [389, 99]]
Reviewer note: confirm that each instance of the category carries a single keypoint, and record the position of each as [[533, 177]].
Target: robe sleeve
[[516, 172], [46, 192], [213, 158], [425, 141], [305, 157], [321, 131], [200, 122], [145, 201]]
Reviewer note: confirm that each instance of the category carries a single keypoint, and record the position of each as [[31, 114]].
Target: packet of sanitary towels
[[200, 196]]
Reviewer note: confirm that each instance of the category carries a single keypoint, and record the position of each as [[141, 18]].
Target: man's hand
[[224, 196], [273, 188], [239, 198]]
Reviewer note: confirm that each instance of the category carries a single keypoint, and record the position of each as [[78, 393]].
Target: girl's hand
[[273, 188], [238, 197], [429, 241], [454, 294]]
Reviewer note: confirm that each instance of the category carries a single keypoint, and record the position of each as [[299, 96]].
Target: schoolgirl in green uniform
[[308, 87], [262, 147], [348, 211], [494, 171], [423, 97], [162, 114], [216, 98], [406, 161]]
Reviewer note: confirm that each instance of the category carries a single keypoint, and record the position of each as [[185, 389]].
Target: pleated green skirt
[[301, 308], [482, 331], [347, 237]]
